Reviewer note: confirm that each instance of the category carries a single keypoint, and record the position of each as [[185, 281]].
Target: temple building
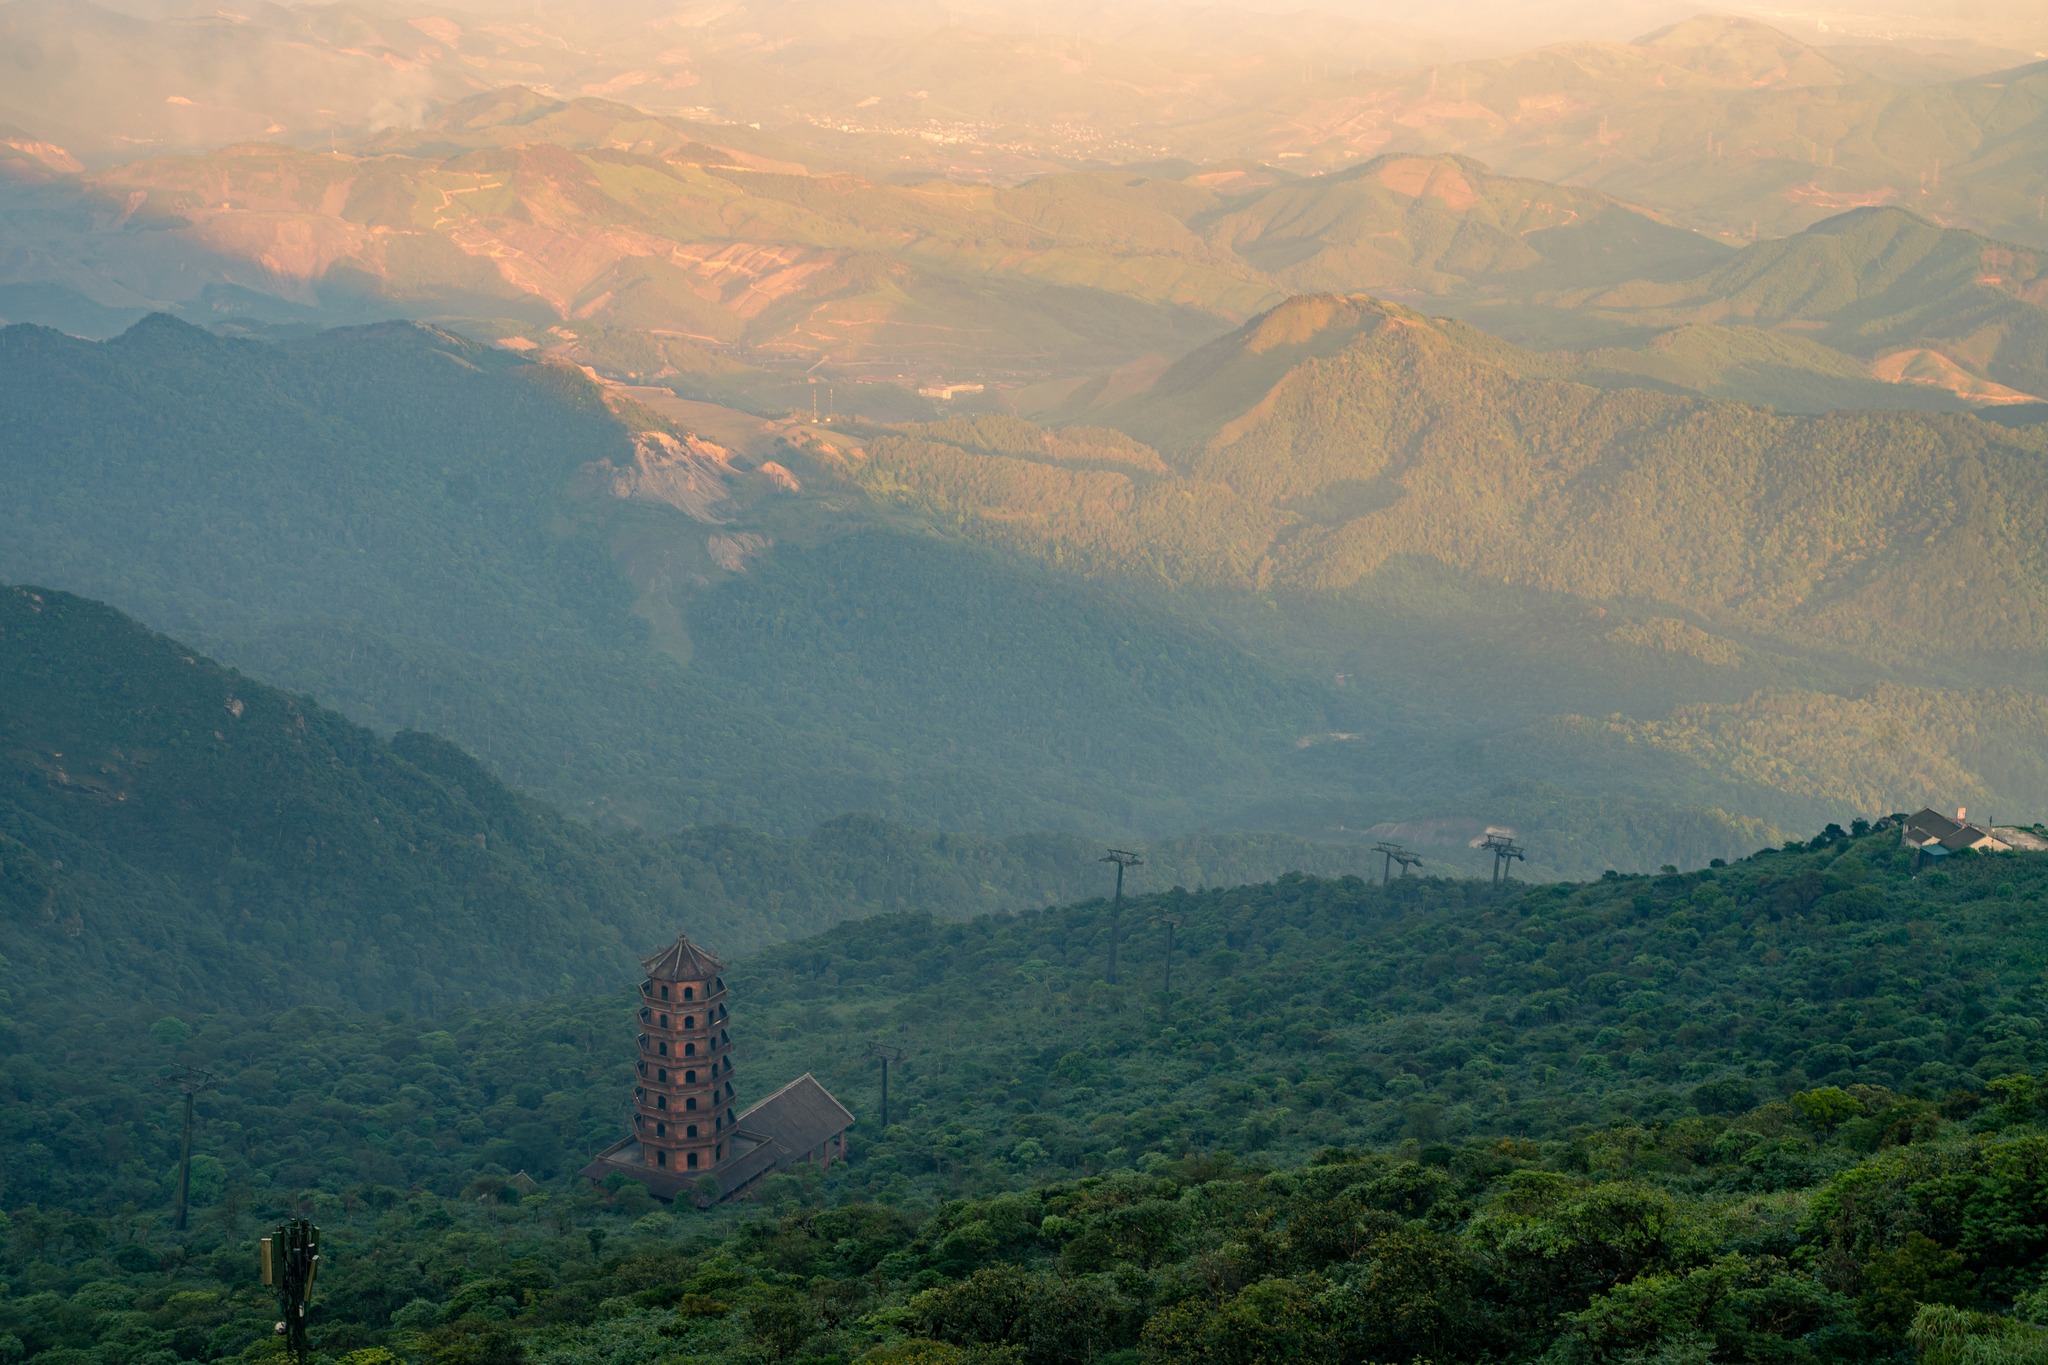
[[684, 1127]]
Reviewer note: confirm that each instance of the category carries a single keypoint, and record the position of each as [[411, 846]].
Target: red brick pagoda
[[683, 1102], [684, 1127]]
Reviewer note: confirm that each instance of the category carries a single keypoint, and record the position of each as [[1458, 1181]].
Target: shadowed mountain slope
[[175, 828], [177, 831], [437, 535]]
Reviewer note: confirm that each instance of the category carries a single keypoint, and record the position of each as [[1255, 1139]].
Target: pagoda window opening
[[689, 1021], [693, 1161], [721, 1151], [661, 1072], [660, 1158], [689, 1078], [661, 1101], [664, 992], [689, 1049], [661, 1130], [664, 1049], [690, 1103], [664, 1021], [643, 1014], [689, 992], [693, 1130]]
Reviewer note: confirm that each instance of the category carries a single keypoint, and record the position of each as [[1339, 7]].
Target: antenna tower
[[291, 1258]]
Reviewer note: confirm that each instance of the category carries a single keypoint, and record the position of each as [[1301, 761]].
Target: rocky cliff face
[[687, 473]]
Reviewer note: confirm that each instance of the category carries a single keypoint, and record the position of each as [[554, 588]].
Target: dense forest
[[1836, 1225], [1777, 1110]]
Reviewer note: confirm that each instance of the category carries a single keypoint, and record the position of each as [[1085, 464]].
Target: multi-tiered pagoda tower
[[686, 1141], [683, 1101]]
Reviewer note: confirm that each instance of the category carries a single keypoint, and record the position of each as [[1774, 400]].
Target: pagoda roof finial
[[683, 961]]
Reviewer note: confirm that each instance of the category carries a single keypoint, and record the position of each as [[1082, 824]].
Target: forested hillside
[[1880, 284], [178, 832], [1807, 528], [1305, 1012], [1348, 457], [1326, 599], [1768, 1111]]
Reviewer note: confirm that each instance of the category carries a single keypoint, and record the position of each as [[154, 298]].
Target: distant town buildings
[[683, 1125], [946, 393]]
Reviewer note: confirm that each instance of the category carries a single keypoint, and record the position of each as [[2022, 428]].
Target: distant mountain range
[[707, 259], [1726, 124], [1722, 121]]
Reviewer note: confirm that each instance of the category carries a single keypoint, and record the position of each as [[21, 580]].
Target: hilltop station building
[[684, 1127], [1934, 835]]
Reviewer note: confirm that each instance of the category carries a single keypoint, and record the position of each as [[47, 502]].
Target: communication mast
[[291, 1258]]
